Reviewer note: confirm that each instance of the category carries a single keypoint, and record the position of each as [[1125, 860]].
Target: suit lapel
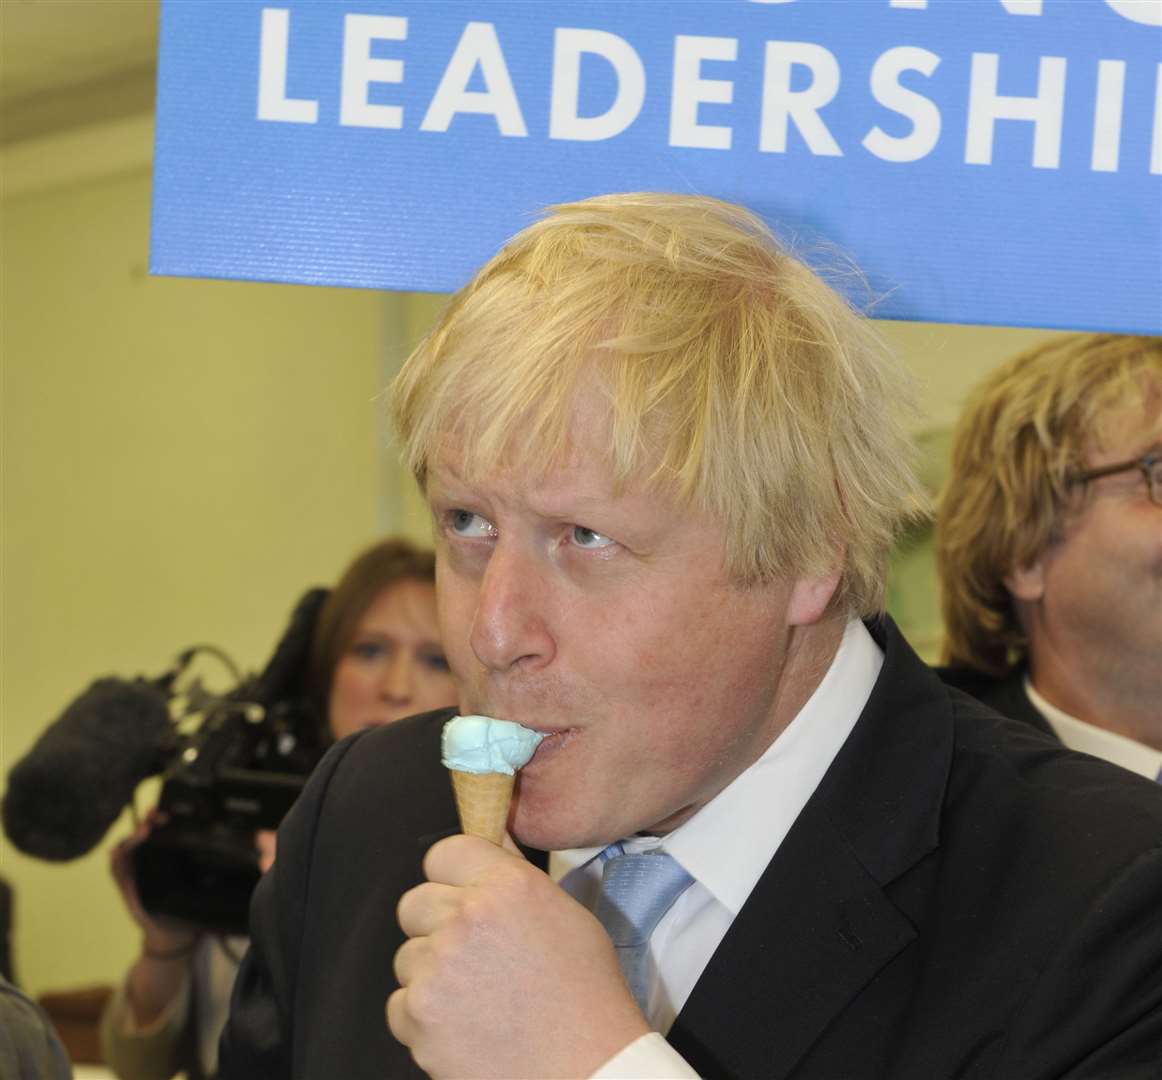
[[818, 927]]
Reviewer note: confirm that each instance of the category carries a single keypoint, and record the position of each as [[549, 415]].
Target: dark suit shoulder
[[397, 769], [1004, 693], [972, 681], [994, 750], [1075, 847], [945, 905], [1064, 827], [1038, 880]]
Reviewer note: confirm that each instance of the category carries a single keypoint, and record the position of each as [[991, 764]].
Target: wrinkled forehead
[[520, 464], [562, 434]]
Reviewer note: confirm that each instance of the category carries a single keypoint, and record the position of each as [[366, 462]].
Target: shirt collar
[[1096, 741], [758, 807]]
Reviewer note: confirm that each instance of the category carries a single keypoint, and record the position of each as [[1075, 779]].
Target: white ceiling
[[53, 50]]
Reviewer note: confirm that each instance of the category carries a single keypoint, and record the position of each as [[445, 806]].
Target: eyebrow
[[1097, 472]]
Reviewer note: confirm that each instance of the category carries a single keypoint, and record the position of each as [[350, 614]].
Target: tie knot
[[636, 891]]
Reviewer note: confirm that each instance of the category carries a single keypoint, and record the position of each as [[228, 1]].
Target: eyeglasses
[[1149, 465]]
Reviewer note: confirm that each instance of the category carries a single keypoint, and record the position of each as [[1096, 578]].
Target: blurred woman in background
[[375, 657], [376, 654]]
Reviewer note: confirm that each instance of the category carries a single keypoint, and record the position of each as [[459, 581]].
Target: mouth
[[554, 739], [552, 743]]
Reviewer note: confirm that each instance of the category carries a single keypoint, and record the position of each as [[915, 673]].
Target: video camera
[[231, 764]]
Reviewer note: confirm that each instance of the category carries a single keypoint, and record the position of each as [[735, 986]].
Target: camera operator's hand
[[160, 935], [160, 970], [266, 843]]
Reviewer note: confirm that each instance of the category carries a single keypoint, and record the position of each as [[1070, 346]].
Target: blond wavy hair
[[1023, 431], [736, 379]]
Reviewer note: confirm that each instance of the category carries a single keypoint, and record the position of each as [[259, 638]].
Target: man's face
[[608, 623], [1099, 585]]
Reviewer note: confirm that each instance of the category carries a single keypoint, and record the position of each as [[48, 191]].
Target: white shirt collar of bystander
[[1096, 741]]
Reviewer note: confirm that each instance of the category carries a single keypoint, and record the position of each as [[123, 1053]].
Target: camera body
[[231, 763], [239, 772]]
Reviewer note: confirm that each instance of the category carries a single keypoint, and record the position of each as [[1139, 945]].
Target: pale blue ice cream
[[480, 744]]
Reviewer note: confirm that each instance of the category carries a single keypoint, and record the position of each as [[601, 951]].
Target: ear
[[810, 597], [1027, 582]]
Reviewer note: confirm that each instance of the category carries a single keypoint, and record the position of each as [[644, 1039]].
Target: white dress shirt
[[756, 811], [1098, 742]]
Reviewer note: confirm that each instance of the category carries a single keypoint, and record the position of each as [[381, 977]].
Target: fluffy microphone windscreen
[[74, 782]]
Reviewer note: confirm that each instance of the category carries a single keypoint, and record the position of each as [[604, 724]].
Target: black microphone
[[72, 785]]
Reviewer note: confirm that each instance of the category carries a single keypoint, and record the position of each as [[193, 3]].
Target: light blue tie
[[636, 891]]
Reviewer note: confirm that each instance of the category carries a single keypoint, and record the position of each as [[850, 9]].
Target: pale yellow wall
[[409, 317], [180, 460], [949, 360]]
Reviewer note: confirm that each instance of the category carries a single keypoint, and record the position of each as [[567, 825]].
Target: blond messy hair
[[1024, 430], [736, 379]]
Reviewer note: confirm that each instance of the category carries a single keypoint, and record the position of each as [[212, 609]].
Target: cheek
[[352, 685], [455, 609], [708, 681], [681, 653], [340, 708], [434, 689]]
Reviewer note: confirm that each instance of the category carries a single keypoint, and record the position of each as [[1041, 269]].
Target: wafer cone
[[482, 799]]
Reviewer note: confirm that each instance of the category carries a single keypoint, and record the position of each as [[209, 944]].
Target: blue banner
[[981, 161]]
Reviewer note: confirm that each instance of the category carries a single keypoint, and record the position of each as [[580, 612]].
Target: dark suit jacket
[[1005, 693], [961, 897]]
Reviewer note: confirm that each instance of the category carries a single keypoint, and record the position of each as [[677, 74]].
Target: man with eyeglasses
[[1049, 545]]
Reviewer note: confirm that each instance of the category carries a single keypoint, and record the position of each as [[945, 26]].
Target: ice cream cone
[[482, 800]]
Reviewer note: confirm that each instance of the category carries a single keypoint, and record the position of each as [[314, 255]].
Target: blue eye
[[435, 662], [590, 540], [368, 650], [466, 523]]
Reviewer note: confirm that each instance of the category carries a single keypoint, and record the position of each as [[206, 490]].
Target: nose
[[398, 679], [509, 626]]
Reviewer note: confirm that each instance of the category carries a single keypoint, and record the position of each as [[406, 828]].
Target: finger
[[118, 857], [423, 910], [121, 867], [142, 829], [396, 1014], [266, 844], [409, 960], [462, 860]]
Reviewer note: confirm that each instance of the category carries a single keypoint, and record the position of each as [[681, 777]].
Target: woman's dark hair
[[374, 570]]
